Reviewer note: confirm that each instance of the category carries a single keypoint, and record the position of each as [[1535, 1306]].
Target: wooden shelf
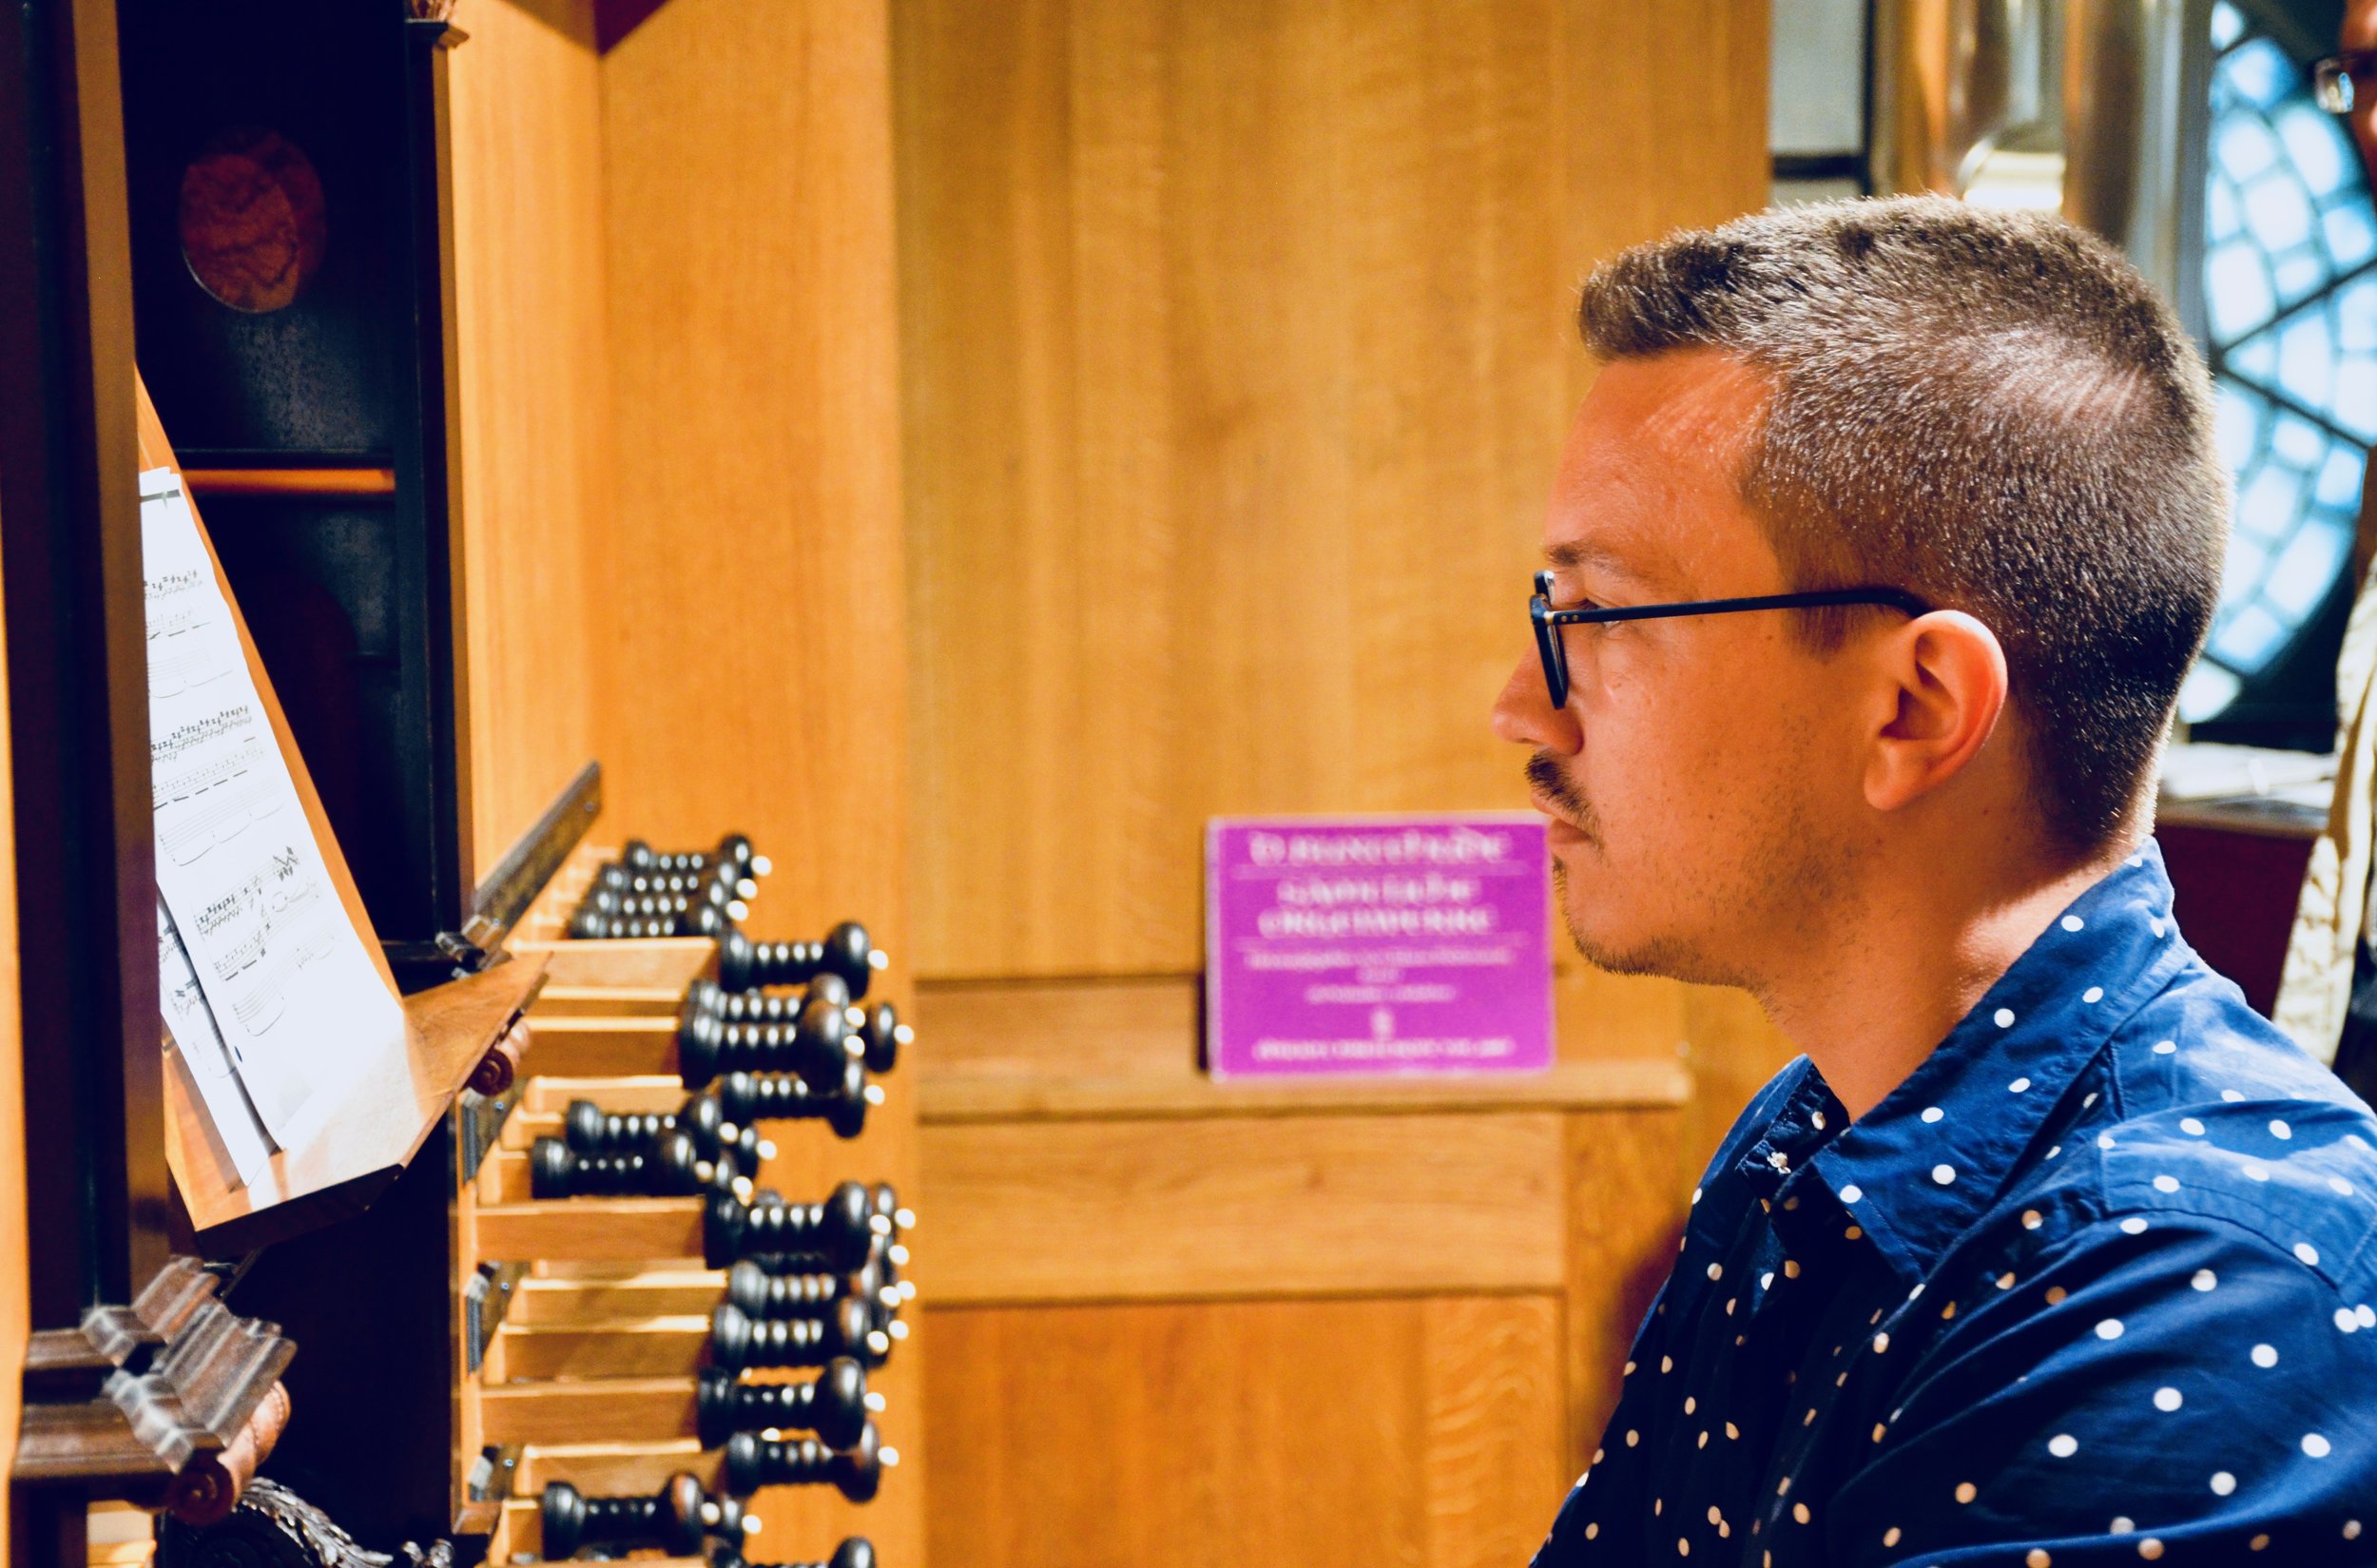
[[297, 483], [957, 1097], [366, 1145]]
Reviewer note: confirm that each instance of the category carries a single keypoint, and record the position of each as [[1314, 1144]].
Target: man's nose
[[1523, 713]]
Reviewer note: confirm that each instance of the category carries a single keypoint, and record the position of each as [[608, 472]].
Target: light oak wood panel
[[1626, 1196], [1151, 1028], [751, 593], [533, 392], [1419, 1431], [1065, 1211], [1237, 359]]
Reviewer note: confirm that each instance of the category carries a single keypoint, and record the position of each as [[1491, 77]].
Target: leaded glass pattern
[[2291, 307]]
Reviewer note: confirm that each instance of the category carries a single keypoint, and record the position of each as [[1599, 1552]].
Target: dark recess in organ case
[[329, 416]]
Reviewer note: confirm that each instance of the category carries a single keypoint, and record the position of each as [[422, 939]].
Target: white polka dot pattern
[[2112, 1199]]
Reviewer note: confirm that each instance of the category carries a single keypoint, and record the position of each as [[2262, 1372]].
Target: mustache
[[1545, 776]]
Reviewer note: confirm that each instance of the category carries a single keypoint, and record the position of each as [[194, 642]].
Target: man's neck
[[1882, 985]]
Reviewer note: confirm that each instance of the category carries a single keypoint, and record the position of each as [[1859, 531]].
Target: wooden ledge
[[956, 1097]]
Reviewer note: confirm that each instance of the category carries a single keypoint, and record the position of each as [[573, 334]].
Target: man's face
[[1701, 781]]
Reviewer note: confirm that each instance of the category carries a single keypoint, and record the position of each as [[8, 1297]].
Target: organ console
[[538, 1301]]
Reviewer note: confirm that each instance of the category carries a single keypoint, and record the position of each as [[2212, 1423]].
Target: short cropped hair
[[1992, 410]]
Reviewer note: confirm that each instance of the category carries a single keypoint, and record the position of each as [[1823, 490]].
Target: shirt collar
[[1916, 1170]]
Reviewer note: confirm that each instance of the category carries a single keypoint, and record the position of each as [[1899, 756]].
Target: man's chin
[[1621, 952]]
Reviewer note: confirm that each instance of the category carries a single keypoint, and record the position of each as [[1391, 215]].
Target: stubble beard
[[1791, 868]]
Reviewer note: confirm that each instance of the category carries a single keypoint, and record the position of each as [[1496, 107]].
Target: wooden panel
[[1237, 359], [611, 1230], [1626, 1197], [1242, 1206], [946, 1099], [610, 1409], [1420, 1432], [535, 398], [751, 590], [1129, 1046]]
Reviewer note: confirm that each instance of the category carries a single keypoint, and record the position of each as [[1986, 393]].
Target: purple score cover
[[1340, 945]]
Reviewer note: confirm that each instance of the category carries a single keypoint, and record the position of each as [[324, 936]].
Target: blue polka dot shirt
[[2093, 1285]]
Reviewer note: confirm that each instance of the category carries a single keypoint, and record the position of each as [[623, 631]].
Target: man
[[2048, 1250]]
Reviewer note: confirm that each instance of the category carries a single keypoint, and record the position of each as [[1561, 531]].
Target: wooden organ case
[[635, 1286]]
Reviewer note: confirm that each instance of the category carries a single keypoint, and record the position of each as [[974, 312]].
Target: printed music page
[[214, 1068], [302, 1008]]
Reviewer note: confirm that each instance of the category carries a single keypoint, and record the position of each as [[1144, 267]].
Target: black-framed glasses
[[2337, 79], [1554, 647]]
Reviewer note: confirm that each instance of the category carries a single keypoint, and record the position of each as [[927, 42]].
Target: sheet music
[[301, 1010], [213, 1066]]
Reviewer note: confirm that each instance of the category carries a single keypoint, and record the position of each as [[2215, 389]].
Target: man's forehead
[[1658, 444]]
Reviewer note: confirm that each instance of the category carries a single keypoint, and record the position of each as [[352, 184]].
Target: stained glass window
[[2291, 307]]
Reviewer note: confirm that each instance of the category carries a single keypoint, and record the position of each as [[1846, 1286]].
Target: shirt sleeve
[[2178, 1391]]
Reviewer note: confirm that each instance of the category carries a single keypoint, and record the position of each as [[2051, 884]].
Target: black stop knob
[[857, 1471], [670, 1168], [841, 1328], [670, 1520], [855, 1552], [838, 1233], [589, 1129], [834, 1407], [734, 850], [745, 965], [750, 1097], [758, 1293], [815, 1046]]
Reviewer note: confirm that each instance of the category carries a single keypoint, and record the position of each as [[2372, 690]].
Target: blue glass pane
[[2258, 71], [2314, 144], [2269, 504], [2250, 640], [2237, 290], [2237, 416], [2243, 146], [2277, 211], [2306, 568], [2350, 233], [2290, 299], [2207, 692], [2340, 478]]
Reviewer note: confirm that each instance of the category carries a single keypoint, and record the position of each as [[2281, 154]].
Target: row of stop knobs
[[813, 1284]]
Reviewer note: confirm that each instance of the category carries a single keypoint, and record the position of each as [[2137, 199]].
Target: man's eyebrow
[[1574, 555]]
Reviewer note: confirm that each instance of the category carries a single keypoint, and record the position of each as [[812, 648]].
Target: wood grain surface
[[533, 391], [1070, 1210], [749, 578], [1420, 1431], [1237, 353]]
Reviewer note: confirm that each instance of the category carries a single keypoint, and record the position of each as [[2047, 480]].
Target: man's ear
[[1945, 689]]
